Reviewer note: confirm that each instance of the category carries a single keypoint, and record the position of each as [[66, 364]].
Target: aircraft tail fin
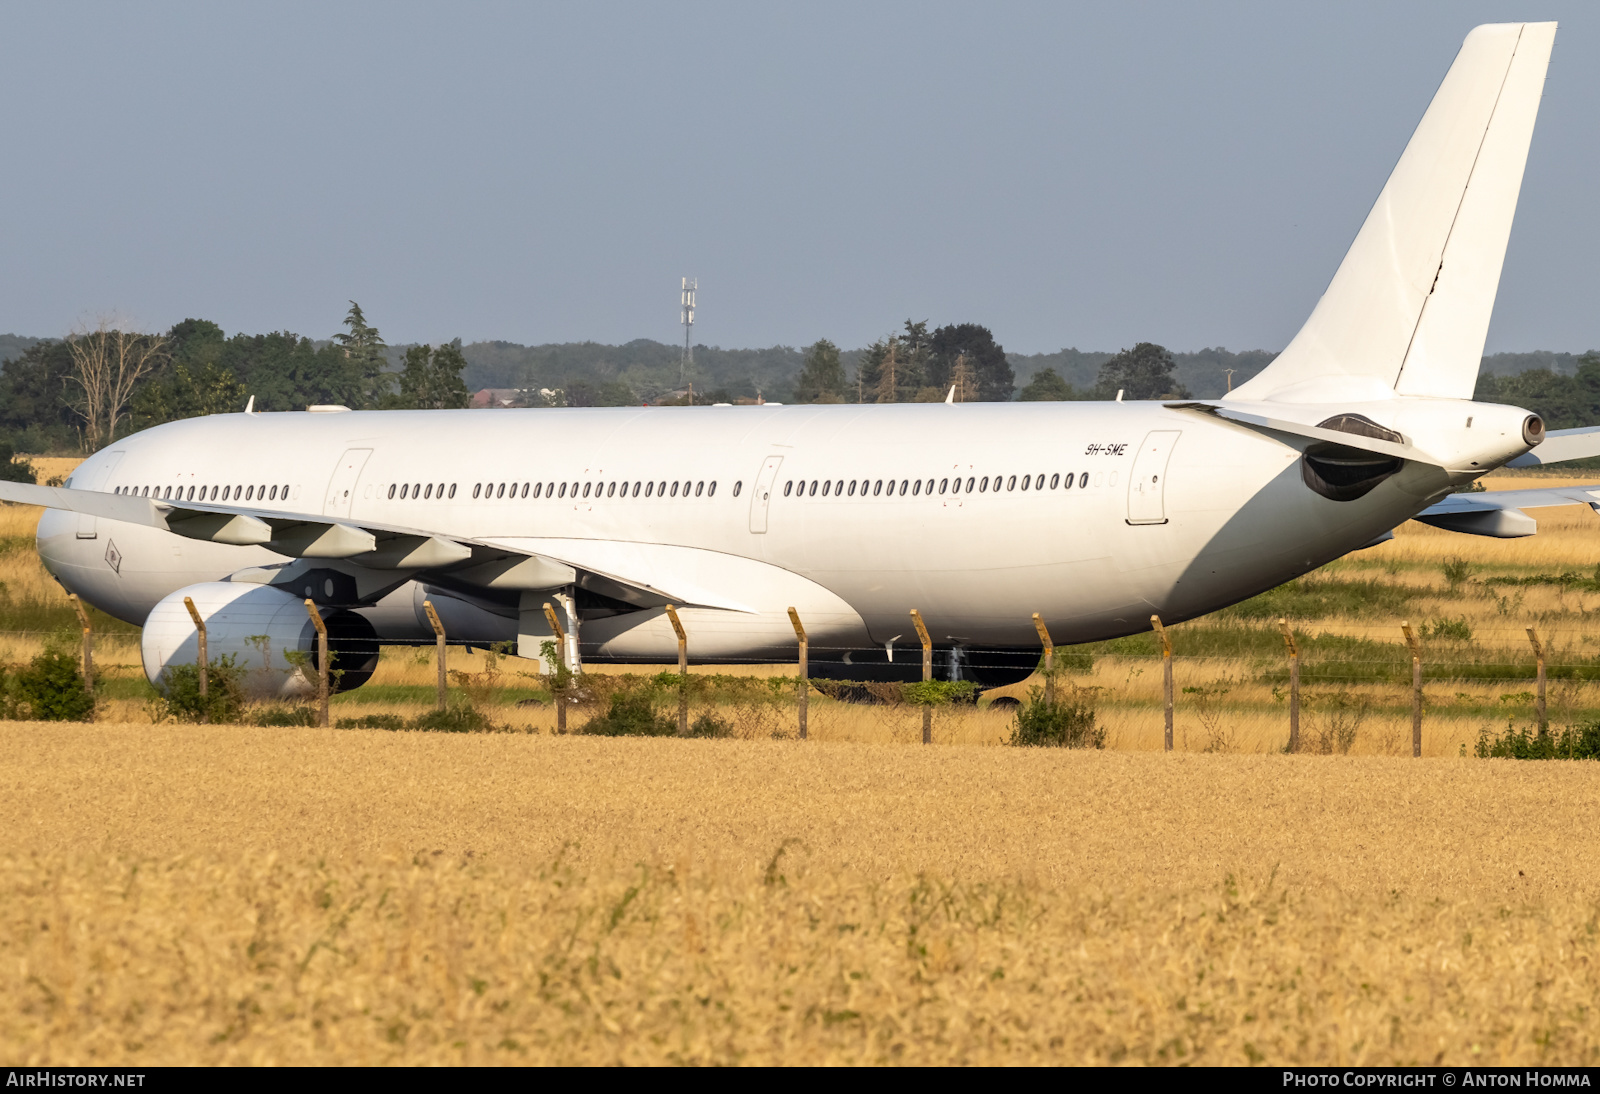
[[1408, 310]]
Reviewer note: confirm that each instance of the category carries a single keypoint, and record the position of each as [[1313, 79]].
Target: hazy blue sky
[[1069, 175]]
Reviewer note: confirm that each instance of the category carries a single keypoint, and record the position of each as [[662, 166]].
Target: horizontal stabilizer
[[1262, 423], [1560, 445], [1498, 513]]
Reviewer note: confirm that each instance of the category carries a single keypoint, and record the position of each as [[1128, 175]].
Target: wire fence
[[1197, 670]]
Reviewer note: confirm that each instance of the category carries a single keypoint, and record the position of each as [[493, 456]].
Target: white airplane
[[1095, 515]]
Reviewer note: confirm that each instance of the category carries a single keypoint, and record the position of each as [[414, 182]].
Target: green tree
[[34, 415], [991, 371], [822, 376], [363, 348], [611, 393], [430, 379], [1046, 387], [1143, 372], [287, 372], [13, 469], [195, 342], [1561, 401], [181, 393]]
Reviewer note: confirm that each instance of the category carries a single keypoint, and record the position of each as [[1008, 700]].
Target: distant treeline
[[53, 400]]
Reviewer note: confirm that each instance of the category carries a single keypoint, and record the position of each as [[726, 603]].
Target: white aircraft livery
[[1094, 515]]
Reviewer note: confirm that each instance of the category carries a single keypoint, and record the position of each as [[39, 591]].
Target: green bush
[[1066, 723], [283, 716], [938, 693], [51, 689], [456, 718], [709, 725], [1575, 742], [374, 721], [13, 469], [1456, 571], [1451, 630], [178, 692], [632, 715]]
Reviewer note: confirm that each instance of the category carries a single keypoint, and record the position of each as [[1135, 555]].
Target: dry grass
[[219, 895]]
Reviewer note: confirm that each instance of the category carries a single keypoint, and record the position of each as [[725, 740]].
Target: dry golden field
[[183, 894], [225, 895]]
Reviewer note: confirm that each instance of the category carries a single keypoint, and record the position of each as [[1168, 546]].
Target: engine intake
[[258, 625]]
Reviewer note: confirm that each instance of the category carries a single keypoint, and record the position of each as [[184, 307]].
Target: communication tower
[[690, 284]]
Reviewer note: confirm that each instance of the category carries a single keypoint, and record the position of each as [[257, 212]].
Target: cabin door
[[1148, 483], [342, 487], [761, 496], [86, 521]]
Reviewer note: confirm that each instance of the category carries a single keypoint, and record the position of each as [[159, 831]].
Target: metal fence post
[[1416, 689], [927, 674], [1166, 676], [1049, 660], [805, 678], [438, 637], [1538, 653], [88, 641], [322, 662], [683, 672], [558, 693], [1294, 685], [201, 661]]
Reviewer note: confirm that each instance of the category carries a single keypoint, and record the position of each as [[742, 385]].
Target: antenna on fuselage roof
[[250, 407]]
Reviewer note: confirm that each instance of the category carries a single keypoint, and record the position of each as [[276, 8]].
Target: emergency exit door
[[761, 496], [342, 487], [1148, 483], [87, 525]]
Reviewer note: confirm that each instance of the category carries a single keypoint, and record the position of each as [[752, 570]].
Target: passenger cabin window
[[738, 485]]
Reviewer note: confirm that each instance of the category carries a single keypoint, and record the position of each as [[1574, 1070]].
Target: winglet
[[250, 407], [950, 399]]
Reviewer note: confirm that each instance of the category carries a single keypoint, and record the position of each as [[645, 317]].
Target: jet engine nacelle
[[258, 625]]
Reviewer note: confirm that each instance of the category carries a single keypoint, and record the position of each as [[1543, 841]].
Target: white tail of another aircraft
[[1408, 310]]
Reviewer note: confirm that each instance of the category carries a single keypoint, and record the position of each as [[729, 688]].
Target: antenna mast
[[690, 284]]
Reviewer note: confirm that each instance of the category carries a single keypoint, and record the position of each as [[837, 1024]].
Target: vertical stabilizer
[[1408, 309]]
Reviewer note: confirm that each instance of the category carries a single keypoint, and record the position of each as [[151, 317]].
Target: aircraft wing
[[462, 560], [1562, 444], [1499, 513]]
